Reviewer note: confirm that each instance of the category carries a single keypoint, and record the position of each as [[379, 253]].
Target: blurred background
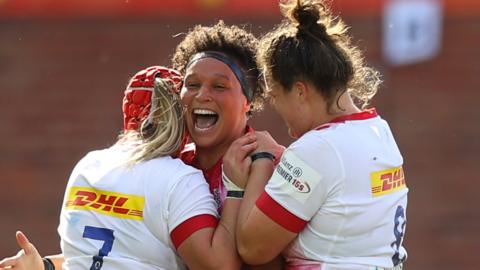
[[64, 66]]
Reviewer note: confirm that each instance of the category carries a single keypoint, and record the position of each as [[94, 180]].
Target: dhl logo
[[107, 203], [387, 181]]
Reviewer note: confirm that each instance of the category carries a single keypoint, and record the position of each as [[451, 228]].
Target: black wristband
[[237, 194], [258, 155], [48, 264]]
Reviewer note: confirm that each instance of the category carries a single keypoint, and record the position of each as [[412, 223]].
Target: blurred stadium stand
[[64, 66]]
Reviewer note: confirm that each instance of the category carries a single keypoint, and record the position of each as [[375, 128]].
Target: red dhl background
[[194, 8]]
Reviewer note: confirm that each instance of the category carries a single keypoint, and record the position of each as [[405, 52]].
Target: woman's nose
[[204, 93]]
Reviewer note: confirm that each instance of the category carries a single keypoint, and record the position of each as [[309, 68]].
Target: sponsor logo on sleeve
[[295, 177], [387, 181], [108, 203]]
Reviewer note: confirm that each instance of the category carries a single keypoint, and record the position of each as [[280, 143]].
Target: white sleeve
[[188, 198], [301, 182]]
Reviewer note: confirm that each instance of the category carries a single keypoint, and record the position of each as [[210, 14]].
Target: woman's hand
[[267, 144], [27, 258], [236, 161]]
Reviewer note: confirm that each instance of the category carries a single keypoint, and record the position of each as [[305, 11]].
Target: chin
[[202, 141]]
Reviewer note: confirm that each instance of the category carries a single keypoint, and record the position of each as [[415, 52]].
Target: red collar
[[367, 114]]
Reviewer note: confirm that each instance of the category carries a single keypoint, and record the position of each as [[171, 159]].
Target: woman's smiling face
[[216, 106]]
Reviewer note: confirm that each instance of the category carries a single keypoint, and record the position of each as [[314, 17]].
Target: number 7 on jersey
[[102, 234]]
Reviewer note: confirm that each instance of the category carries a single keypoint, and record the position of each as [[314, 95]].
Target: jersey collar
[[364, 115]]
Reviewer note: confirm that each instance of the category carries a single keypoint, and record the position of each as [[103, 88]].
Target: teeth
[[204, 112]]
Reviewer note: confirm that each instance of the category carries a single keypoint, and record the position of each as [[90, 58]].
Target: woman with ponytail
[[337, 198], [220, 92], [136, 205]]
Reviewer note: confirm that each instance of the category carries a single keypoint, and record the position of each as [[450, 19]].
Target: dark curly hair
[[311, 44], [232, 41]]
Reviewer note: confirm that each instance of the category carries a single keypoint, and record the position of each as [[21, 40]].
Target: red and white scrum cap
[[137, 101]]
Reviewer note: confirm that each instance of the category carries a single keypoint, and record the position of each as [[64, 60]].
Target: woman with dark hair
[[220, 92], [337, 198]]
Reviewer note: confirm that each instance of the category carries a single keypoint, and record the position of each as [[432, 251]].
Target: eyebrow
[[222, 76]]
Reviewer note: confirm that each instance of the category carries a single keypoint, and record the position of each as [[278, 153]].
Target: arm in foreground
[[214, 248], [259, 238]]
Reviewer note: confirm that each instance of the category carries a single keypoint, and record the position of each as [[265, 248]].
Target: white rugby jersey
[[342, 188], [114, 217]]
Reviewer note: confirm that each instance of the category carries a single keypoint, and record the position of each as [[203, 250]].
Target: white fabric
[[325, 177], [229, 184], [172, 192]]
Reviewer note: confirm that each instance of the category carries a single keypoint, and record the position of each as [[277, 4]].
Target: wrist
[[233, 191], [48, 264], [262, 155], [235, 194]]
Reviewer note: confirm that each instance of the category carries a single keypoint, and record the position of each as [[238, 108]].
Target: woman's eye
[[192, 85]]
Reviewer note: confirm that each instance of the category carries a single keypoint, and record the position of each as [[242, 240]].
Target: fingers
[[27, 258], [23, 242], [248, 148], [8, 262], [263, 133], [11, 262], [246, 139], [244, 146], [265, 141], [264, 136]]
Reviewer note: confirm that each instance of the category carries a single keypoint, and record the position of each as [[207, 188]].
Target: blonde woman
[[135, 205]]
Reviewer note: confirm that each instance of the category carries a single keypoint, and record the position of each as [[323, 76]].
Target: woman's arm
[[259, 238], [214, 248]]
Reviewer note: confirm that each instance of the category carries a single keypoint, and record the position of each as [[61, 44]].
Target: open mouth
[[204, 119]]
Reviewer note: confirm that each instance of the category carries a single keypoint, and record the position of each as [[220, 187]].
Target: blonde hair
[[162, 133]]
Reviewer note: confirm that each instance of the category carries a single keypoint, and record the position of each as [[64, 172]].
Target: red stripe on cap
[[279, 214], [191, 225]]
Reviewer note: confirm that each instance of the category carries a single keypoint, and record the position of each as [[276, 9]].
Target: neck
[[345, 106], [207, 157]]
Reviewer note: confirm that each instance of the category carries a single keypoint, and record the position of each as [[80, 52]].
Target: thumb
[[24, 243]]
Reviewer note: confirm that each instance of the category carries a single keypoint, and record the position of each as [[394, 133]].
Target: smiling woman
[[220, 92], [216, 108]]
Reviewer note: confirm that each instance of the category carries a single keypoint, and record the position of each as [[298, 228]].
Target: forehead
[[209, 68]]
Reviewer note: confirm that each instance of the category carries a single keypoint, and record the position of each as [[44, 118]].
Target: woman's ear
[[246, 106], [301, 89]]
